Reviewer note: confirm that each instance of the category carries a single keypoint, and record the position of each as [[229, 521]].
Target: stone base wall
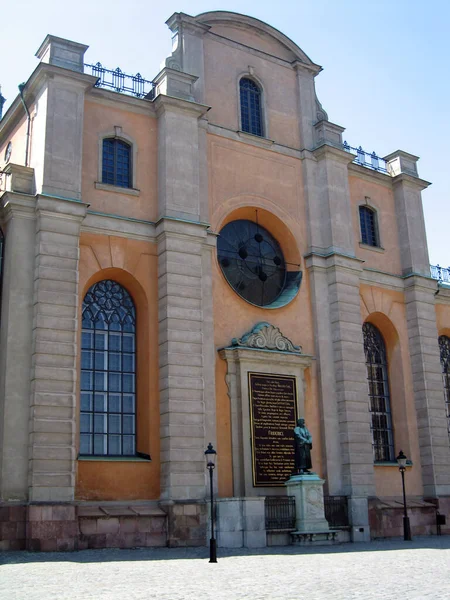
[[187, 523], [68, 527], [386, 518], [241, 523]]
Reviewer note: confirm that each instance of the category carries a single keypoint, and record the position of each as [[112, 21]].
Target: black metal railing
[[280, 512], [440, 273], [336, 511], [367, 159], [117, 80]]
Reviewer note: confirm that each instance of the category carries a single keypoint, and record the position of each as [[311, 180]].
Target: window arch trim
[[118, 134], [262, 113]]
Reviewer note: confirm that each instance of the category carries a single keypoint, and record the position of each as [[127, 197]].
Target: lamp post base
[[406, 529], [212, 551]]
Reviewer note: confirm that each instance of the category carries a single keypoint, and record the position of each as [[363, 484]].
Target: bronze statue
[[303, 445]]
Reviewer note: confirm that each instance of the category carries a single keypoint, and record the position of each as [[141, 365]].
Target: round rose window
[[252, 262]]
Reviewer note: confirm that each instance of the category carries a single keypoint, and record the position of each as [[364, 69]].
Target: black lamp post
[[401, 459], [210, 455]]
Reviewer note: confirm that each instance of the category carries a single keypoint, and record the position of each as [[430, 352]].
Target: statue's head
[[301, 422]]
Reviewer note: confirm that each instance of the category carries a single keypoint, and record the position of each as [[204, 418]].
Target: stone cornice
[[60, 207], [163, 103], [113, 99], [337, 154], [110, 224], [370, 175], [188, 23], [13, 204], [40, 75], [410, 181]]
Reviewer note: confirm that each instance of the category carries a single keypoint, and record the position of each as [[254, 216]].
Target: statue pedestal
[[311, 525]]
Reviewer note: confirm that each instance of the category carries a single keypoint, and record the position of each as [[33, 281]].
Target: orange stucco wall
[[386, 310], [133, 264], [99, 119], [380, 198], [443, 319], [225, 65], [241, 181]]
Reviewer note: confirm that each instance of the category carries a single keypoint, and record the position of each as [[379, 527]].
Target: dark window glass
[[380, 406], [108, 372], [444, 346], [369, 228], [252, 262], [116, 165], [251, 114]]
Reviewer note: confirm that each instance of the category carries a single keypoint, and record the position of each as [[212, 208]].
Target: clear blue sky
[[386, 67]]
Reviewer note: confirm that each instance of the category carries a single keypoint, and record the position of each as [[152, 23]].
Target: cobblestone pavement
[[381, 570]]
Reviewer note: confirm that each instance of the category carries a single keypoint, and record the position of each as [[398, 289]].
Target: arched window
[[116, 162], [379, 403], [251, 109], [369, 226], [108, 372], [444, 346]]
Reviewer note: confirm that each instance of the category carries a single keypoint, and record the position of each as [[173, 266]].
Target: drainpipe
[[21, 88]]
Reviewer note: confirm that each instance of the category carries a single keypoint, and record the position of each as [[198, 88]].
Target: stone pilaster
[[186, 352], [410, 220], [427, 385], [182, 362], [54, 348], [18, 223], [335, 280]]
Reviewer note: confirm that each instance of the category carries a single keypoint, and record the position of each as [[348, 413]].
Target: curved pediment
[[265, 336], [255, 34]]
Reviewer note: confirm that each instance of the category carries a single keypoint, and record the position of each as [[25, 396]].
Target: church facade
[[207, 260]]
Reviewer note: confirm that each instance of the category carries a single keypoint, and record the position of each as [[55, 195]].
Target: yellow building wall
[[133, 264], [101, 118], [380, 198], [386, 310], [241, 181]]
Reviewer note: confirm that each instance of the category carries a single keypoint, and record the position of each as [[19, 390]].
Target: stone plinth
[[309, 508]]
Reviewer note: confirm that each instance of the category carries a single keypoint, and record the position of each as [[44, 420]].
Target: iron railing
[[280, 512], [336, 511], [367, 159], [117, 80], [440, 273]]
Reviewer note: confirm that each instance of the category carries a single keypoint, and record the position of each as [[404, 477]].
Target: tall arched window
[[369, 226], [444, 346], [251, 107], [108, 372], [116, 162], [379, 402]]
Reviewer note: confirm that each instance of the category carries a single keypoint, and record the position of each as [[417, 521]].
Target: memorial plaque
[[273, 416]]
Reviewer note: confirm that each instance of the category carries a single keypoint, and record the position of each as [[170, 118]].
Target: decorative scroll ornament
[[265, 336]]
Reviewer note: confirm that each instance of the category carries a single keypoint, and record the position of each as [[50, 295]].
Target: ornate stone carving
[[265, 336], [321, 112]]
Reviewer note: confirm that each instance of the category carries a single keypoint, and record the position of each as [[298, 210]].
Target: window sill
[[114, 458], [106, 187], [369, 247], [255, 138]]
